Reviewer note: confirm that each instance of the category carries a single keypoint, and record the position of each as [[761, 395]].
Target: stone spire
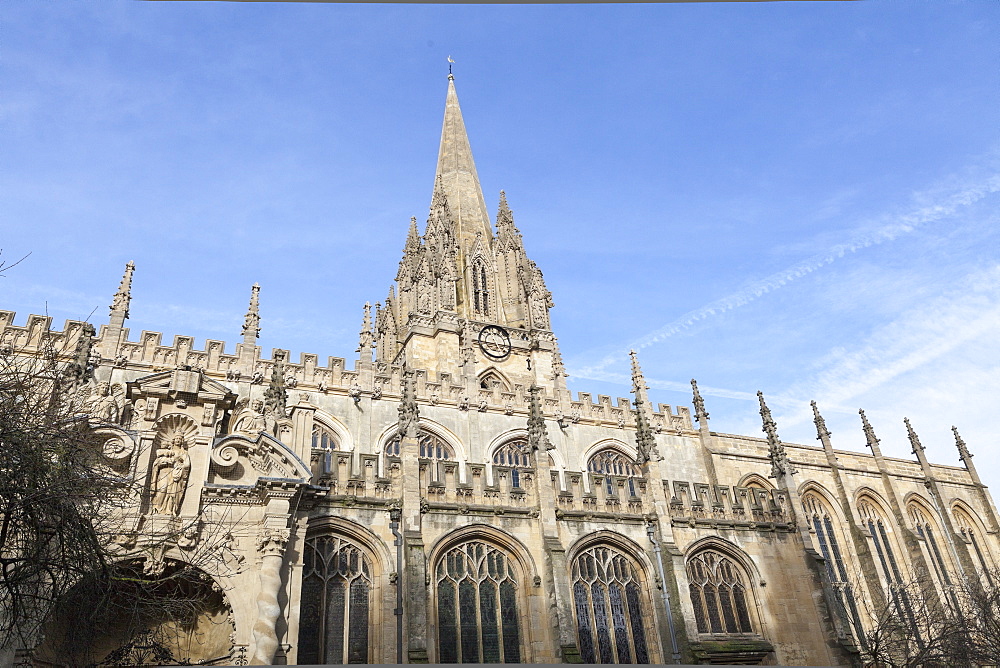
[[122, 298], [251, 321], [365, 339], [409, 413], [699, 404], [645, 443], [870, 439], [538, 436], [776, 449], [508, 236], [822, 433], [457, 171], [915, 445]]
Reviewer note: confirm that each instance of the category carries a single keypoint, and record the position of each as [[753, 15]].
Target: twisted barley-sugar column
[[271, 545]]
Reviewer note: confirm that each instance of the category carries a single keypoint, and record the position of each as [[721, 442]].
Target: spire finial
[[871, 440], [963, 451], [450, 63], [821, 430], [776, 449], [251, 321], [699, 404], [915, 444], [644, 441], [122, 298], [638, 380], [538, 436], [366, 337]]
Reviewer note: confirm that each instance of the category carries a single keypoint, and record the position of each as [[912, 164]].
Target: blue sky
[[797, 198]]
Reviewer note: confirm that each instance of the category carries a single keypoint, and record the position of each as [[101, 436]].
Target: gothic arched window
[[608, 601], [892, 576], [480, 288], [819, 517], [515, 454], [969, 530], [323, 445], [430, 447], [336, 601], [926, 530], [719, 594], [610, 462], [477, 605]]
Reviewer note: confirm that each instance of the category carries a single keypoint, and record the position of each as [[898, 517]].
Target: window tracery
[[822, 524], [430, 446], [477, 605], [969, 530], [323, 445], [610, 462], [608, 604], [335, 603], [891, 575], [719, 594], [515, 454], [926, 530]]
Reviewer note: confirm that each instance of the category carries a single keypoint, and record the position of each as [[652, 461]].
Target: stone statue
[[170, 475], [106, 403], [256, 421]]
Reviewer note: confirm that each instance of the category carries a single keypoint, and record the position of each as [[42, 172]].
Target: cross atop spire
[[457, 172]]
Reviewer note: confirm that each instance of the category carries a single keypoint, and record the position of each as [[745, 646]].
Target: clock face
[[494, 342]]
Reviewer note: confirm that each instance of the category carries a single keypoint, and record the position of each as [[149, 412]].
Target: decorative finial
[[699, 404], [251, 321], [914, 440], [409, 414], [963, 451], [450, 63], [644, 441], [538, 436], [123, 297], [638, 380], [776, 449], [821, 430], [366, 338]]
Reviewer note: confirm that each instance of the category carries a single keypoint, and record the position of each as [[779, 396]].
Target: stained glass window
[[891, 575], [336, 598], [430, 447], [610, 462], [608, 603], [819, 516], [481, 623], [718, 589], [515, 454]]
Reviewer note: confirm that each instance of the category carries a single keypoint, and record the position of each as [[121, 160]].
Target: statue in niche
[[107, 403], [170, 475], [539, 305]]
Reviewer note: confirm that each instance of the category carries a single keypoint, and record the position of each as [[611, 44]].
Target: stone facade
[[446, 498]]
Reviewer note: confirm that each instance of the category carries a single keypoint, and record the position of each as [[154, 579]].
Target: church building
[[441, 496]]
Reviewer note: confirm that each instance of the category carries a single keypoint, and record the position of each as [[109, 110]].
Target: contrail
[[903, 224]]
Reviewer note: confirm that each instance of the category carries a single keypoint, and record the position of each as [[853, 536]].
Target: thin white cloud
[[891, 227]]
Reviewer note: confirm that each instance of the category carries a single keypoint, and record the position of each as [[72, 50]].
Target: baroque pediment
[[241, 459]]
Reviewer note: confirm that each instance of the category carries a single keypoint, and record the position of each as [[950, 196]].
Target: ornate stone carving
[[355, 392], [271, 541], [780, 465], [409, 414], [377, 392], [170, 472], [107, 403], [251, 321]]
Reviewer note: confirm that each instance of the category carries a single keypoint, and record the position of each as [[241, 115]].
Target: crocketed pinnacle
[[776, 449], [251, 321], [821, 430], [699, 404], [365, 339], [122, 298], [458, 173], [538, 436], [870, 439], [409, 413], [963, 451], [915, 444], [639, 386]]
